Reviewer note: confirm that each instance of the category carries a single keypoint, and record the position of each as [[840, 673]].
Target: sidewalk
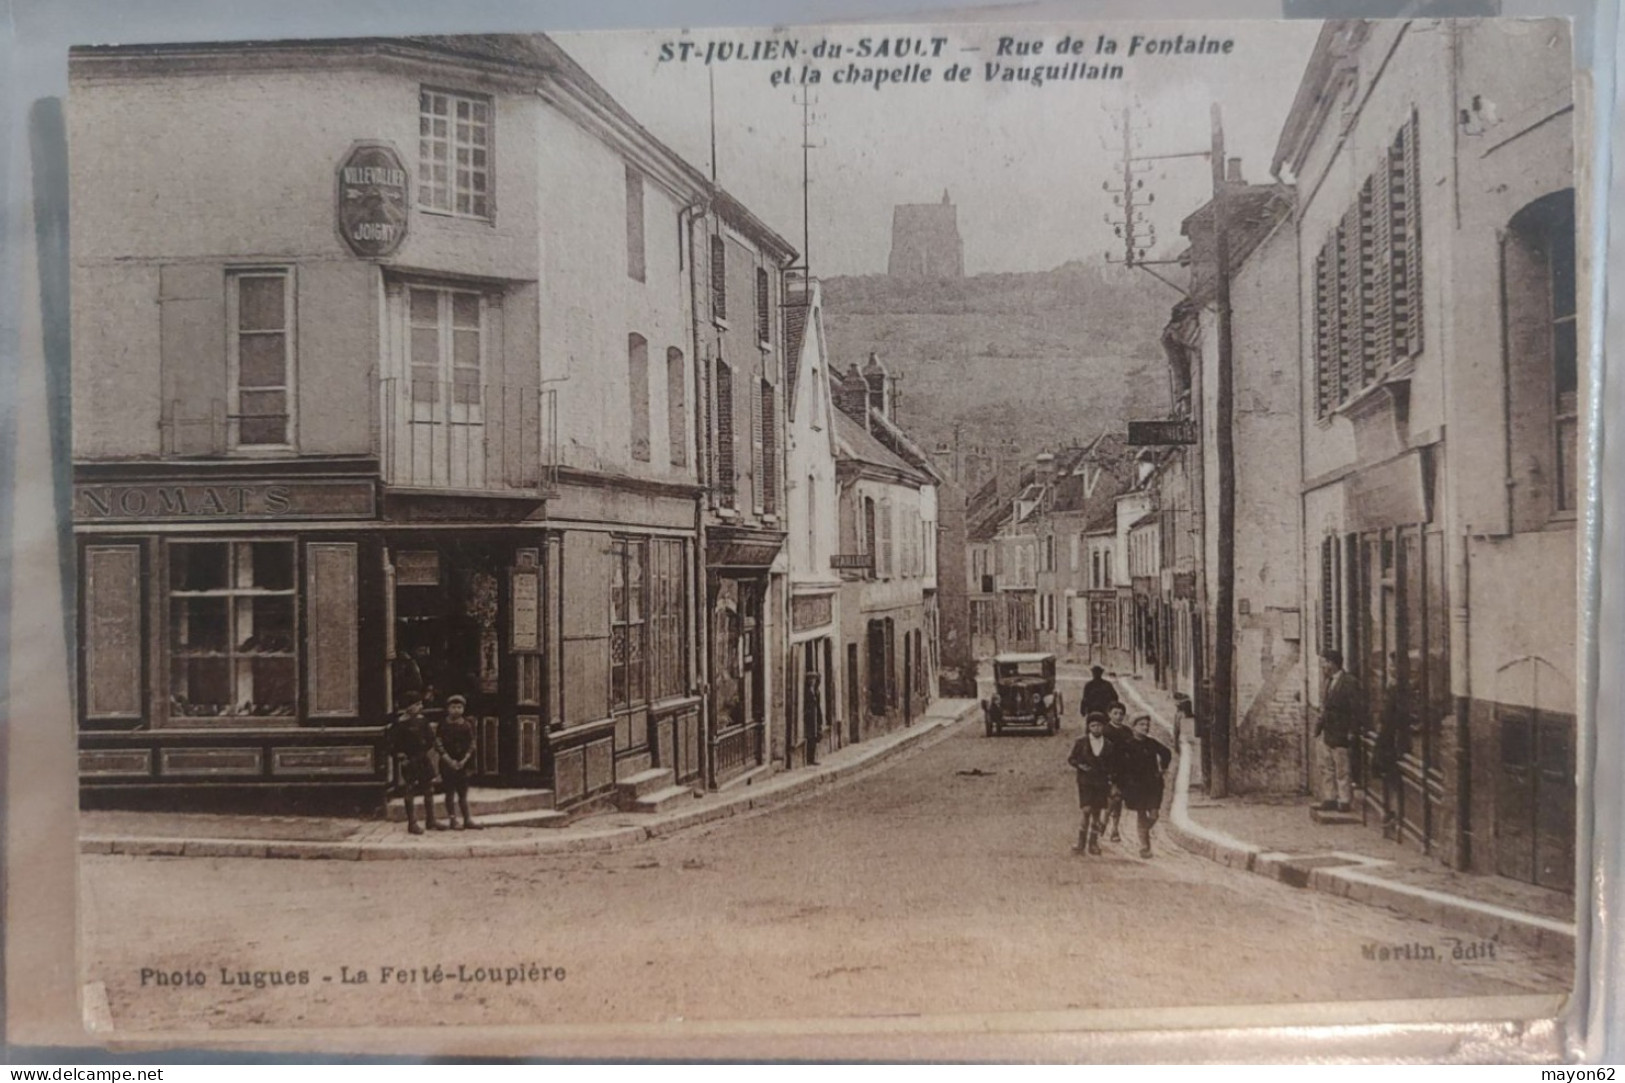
[[1274, 837], [174, 834]]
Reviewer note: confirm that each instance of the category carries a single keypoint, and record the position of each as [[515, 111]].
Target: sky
[[1025, 165]]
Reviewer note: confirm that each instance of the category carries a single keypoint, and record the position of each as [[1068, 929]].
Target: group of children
[[1118, 763], [427, 755]]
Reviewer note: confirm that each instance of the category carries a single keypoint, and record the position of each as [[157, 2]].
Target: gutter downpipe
[[702, 467], [1460, 581]]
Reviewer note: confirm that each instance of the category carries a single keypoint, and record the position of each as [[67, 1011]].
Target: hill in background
[[1045, 359]]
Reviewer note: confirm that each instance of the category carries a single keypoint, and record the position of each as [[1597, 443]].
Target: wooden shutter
[[770, 451], [1348, 304], [719, 278], [764, 321], [332, 669], [1371, 256], [677, 407], [192, 347], [726, 474], [1380, 288], [634, 224], [758, 472], [1326, 397], [114, 631], [585, 600], [637, 375], [885, 554], [704, 415], [1328, 591], [1405, 221]]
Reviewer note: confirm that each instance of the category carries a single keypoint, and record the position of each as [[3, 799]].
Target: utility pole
[[1224, 620], [1138, 235]]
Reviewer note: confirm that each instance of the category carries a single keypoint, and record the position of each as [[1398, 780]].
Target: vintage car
[[1024, 694]]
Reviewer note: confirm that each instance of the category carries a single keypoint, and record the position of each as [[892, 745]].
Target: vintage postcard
[[958, 529]]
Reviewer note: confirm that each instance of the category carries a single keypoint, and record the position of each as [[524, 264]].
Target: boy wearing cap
[[411, 744], [456, 746]]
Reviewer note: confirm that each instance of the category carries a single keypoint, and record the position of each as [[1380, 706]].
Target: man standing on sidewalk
[[1339, 714]]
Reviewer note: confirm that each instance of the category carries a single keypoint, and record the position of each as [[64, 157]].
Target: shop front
[[738, 579], [812, 676], [222, 628]]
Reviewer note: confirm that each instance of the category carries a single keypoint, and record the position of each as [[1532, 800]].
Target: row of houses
[[411, 364], [1406, 435]]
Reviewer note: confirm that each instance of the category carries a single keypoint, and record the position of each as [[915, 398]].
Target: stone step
[[661, 800], [629, 789], [482, 801], [524, 818], [1332, 816]]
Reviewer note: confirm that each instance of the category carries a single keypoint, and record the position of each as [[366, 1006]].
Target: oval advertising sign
[[372, 199]]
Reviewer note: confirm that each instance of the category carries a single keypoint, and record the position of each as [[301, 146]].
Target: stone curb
[[1355, 881], [772, 794]]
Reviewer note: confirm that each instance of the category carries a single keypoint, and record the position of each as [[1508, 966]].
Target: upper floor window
[[1368, 278], [454, 153], [634, 224], [719, 277], [1542, 343], [259, 317]]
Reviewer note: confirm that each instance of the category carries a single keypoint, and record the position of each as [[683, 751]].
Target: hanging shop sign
[[1164, 432], [372, 200]]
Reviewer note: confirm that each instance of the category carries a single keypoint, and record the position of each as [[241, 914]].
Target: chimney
[[1232, 172], [852, 395], [879, 381], [1044, 469]]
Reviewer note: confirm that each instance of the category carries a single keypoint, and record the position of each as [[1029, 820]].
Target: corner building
[[400, 392]]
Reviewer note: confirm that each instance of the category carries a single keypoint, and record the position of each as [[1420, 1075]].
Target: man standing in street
[[1098, 693], [1339, 713]]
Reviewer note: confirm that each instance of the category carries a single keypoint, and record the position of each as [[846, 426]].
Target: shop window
[[113, 631], [454, 153], [232, 634], [637, 378], [259, 317], [677, 406], [668, 619], [635, 248], [628, 669]]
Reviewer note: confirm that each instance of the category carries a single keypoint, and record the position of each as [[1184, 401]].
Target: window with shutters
[[677, 406], [1367, 280], [726, 473], [637, 377], [454, 153], [231, 609], [770, 451], [719, 278], [764, 321], [634, 225], [259, 318]]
